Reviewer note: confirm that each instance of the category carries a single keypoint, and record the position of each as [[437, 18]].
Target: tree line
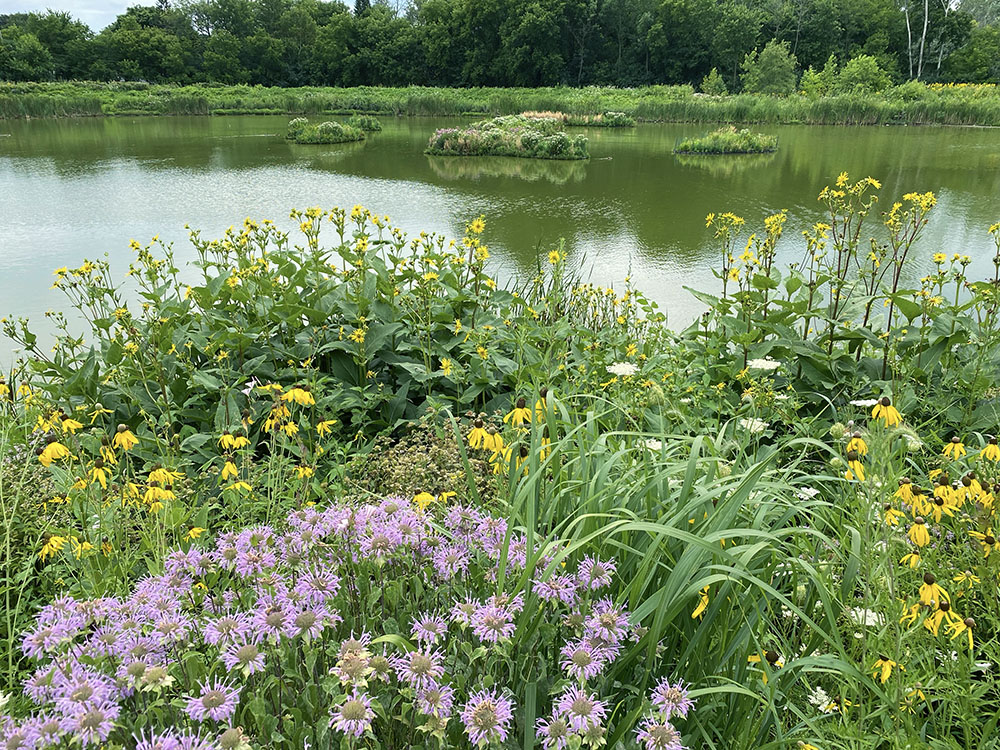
[[509, 42]]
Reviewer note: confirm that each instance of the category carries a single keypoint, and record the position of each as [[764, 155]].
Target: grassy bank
[[911, 103]]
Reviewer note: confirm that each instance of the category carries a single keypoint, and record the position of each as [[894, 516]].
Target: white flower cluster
[[864, 402], [623, 369], [767, 364], [752, 424], [867, 617], [821, 700]]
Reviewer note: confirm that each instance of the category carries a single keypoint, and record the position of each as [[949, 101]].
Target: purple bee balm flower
[[658, 735], [487, 717], [308, 623], [48, 730], [317, 585], [271, 617], [595, 574], [492, 624], [553, 733], [81, 688], [428, 629], [436, 700], [93, 722], [353, 716], [464, 610], [607, 622], [172, 740], [38, 687], [450, 560], [230, 628], [672, 699], [582, 661], [419, 669], [17, 737], [557, 588], [246, 657], [217, 701], [581, 710]]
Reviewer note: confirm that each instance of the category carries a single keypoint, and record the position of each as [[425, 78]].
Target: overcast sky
[[95, 13]]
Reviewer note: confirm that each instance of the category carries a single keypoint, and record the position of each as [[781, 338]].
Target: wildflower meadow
[[348, 488]]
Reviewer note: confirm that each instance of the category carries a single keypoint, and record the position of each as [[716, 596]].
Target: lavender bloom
[[450, 560], [492, 624], [353, 716], [92, 723], [272, 617], [595, 574], [47, 730], [227, 629], [172, 741], [582, 661], [17, 737], [246, 657], [557, 588], [487, 717], [306, 622], [581, 710], [81, 689], [672, 700], [38, 687], [554, 733], [317, 585], [419, 669], [607, 622], [429, 628], [217, 701], [463, 611], [658, 735], [436, 700]]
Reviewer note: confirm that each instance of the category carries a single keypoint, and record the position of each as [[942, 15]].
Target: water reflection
[[532, 170]]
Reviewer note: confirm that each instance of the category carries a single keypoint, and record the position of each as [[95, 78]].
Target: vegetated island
[[510, 135], [728, 141], [602, 120], [301, 131]]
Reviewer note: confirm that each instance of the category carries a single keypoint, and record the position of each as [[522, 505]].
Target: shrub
[[771, 71], [300, 131], [862, 75], [368, 123], [713, 84]]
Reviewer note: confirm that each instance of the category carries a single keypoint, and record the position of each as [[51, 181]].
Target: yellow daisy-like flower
[[702, 604], [882, 669], [52, 545], [855, 469], [299, 394], [962, 626], [520, 414], [493, 440], [931, 592], [446, 366], [955, 449], [290, 429], [892, 515], [773, 659], [124, 438], [324, 427], [477, 436], [918, 532], [194, 532], [885, 411], [905, 491], [911, 559], [988, 541], [54, 451], [966, 577], [303, 472], [229, 471], [554, 257], [857, 444], [98, 473], [991, 452], [423, 500], [70, 425], [239, 487]]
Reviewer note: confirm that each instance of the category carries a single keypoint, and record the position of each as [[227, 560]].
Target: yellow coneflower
[[941, 507], [107, 452], [98, 411], [991, 452], [229, 471], [156, 494], [773, 659], [227, 441], [79, 548], [541, 403], [955, 449], [124, 438], [501, 459], [918, 501], [882, 669], [52, 545], [962, 626], [477, 436], [855, 470], [910, 614], [519, 415], [423, 500], [988, 541], [445, 367], [918, 532], [966, 577], [163, 476], [892, 515], [857, 444], [941, 615], [290, 429], [303, 472], [912, 559], [546, 448], [910, 698], [53, 452], [885, 411], [98, 473], [70, 425], [493, 440], [905, 491], [931, 592], [194, 532], [324, 428], [240, 441], [240, 486], [702, 604], [300, 395]]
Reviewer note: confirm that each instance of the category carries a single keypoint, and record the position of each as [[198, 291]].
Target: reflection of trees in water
[[724, 165], [473, 167]]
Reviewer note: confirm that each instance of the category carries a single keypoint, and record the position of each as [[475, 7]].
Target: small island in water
[[301, 131], [534, 137], [728, 140]]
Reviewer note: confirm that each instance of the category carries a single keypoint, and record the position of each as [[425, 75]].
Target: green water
[[75, 189]]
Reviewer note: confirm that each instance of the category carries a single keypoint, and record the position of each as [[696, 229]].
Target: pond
[[75, 189]]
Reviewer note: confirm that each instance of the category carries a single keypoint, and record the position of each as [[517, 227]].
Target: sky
[[95, 13]]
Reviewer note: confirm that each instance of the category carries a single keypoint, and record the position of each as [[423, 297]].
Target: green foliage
[[511, 135], [713, 84], [771, 71], [367, 123], [728, 141], [300, 131], [861, 75]]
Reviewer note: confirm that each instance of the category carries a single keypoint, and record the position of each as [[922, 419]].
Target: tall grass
[[912, 103]]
